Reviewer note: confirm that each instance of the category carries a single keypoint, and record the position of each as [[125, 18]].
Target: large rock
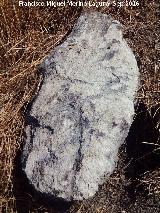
[[83, 111]]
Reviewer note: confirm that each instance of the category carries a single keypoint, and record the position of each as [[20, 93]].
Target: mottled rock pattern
[[83, 111]]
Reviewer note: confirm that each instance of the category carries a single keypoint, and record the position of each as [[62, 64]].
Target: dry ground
[[26, 36]]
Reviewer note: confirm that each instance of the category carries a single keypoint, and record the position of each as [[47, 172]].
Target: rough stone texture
[[83, 111]]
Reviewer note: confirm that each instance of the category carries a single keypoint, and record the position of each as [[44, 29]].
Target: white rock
[[83, 111]]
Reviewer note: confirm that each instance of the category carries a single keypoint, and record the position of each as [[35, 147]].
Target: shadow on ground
[[142, 147]]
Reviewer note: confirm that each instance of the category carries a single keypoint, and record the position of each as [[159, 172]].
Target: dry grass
[[27, 35]]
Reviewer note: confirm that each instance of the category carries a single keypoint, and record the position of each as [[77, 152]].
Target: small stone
[[83, 111]]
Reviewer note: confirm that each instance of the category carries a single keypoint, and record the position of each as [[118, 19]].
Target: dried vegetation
[[26, 36]]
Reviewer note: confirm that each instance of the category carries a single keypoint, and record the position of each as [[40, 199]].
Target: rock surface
[[83, 111]]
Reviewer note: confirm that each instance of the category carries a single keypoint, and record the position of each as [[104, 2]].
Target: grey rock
[[83, 111]]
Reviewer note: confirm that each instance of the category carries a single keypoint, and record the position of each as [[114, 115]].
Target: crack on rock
[[81, 81], [74, 80], [116, 77]]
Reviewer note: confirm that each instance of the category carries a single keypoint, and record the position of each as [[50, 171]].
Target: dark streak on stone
[[78, 162], [33, 122], [50, 129], [80, 157], [110, 55], [116, 76], [115, 41], [72, 80]]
